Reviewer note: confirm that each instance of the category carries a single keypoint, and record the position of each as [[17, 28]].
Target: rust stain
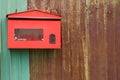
[[90, 41], [117, 43]]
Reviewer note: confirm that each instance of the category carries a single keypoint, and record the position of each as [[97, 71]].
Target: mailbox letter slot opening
[[28, 34]]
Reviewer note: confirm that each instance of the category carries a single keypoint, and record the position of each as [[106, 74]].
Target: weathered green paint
[[0, 44], [19, 65], [14, 63], [5, 53]]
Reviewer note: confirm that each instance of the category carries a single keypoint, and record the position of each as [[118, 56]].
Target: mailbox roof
[[33, 14]]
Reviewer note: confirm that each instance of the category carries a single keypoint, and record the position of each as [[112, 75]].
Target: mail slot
[[34, 29]]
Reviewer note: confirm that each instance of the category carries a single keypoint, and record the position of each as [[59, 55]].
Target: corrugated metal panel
[[0, 30], [90, 42], [14, 63], [5, 56], [67, 63]]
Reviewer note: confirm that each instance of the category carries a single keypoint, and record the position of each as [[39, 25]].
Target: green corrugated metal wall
[[0, 42], [14, 63]]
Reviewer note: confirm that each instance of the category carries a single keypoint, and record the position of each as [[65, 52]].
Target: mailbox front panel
[[34, 34]]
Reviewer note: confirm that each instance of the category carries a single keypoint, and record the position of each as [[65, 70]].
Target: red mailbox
[[34, 29]]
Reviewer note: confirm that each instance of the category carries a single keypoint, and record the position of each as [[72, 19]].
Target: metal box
[[34, 29]]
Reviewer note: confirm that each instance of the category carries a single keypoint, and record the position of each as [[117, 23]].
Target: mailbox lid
[[33, 14]]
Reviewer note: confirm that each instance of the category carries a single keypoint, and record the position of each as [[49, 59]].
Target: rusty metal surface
[[90, 41]]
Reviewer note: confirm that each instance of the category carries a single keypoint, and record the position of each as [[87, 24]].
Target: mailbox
[[34, 29]]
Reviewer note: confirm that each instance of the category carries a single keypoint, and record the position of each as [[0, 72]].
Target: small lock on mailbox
[[34, 29]]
